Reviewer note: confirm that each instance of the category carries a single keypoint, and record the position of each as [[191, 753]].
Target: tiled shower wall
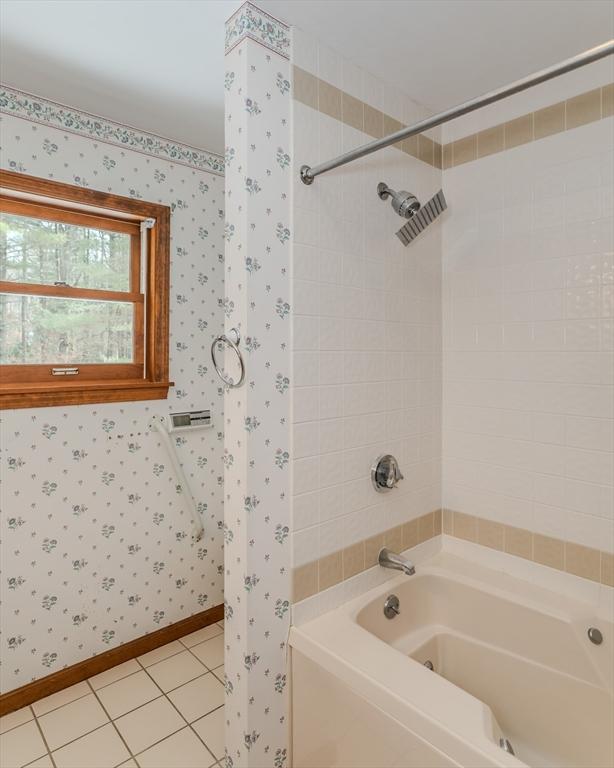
[[528, 322], [96, 543], [366, 325]]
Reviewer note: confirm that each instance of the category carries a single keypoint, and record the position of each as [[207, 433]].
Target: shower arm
[[308, 173]]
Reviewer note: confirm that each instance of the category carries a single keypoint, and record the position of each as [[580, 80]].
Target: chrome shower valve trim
[[385, 473]]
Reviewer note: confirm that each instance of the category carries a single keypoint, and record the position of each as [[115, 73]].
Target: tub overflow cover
[[595, 636]]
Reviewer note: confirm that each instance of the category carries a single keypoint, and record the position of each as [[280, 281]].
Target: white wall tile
[[379, 335], [304, 51], [527, 390]]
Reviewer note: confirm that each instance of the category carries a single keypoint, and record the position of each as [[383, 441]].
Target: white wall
[[367, 327], [96, 547], [528, 312]]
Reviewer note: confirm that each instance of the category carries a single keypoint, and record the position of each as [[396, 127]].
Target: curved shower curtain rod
[[308, 173]]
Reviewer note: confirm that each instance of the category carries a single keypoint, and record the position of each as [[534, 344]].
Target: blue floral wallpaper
[[96, 543], [251, 22], [257, 478]]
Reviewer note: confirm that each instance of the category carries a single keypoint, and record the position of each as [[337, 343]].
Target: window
[[83, 295]]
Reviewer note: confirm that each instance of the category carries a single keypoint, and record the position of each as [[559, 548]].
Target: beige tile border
[[561, 555], [324, 97], [563, 116], [580, 110], [321, 574]]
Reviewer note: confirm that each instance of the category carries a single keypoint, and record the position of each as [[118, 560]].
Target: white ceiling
[[443, 52], [158, 64]]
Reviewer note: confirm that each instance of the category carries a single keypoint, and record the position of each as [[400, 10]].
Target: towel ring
[[231, 339]]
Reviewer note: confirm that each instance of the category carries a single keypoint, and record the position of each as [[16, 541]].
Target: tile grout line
[[66, 703], [189, 725], [111, 719], [170, 656], [209, 671], [164, 694], [191, 680], [202, 741], [40, 730], [72, 741], [8, 730]]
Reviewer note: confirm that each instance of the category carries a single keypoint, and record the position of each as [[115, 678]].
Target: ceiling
[[443, 52], [158, 64]]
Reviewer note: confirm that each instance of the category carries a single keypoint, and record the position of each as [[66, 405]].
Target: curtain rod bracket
[[306, 176]]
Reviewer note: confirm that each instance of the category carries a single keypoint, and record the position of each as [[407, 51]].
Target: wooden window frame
[[147, 378]]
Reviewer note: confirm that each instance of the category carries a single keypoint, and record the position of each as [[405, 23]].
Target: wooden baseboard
[[63, 678]]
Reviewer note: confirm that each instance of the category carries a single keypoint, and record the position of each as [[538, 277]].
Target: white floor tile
[[159, 654], [128, 693], [78, 731], [149, 723], [102, 748], [210, 652], [72, 720], [13, 719], [114, 674], [206, 633], [176, 670], [210, 728], [196, 698], [21, 745], [185, 743], [60, 698]]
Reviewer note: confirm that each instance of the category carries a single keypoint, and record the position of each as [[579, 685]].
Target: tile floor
[[162, 710]]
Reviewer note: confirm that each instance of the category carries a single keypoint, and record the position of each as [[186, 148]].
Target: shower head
[[425, 216], [404, 203], [407, 205]]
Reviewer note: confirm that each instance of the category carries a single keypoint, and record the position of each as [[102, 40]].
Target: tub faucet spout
[[388, 559]]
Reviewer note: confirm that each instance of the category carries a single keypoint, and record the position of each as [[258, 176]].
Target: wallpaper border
[[40, 110], [250, 21]]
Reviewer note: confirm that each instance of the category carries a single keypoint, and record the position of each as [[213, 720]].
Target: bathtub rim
[[463, 727]]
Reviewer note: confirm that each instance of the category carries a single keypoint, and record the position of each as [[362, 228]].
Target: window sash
[[47, 212], [68, 292], [147, 379], [42, 372], [42, 210]]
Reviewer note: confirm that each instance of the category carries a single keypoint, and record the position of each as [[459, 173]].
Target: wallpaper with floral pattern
[[82, 123], [250, 21], [257, 427], [96, 538]]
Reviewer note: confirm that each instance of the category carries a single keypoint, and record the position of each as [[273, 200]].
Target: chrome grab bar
[[158, 423]]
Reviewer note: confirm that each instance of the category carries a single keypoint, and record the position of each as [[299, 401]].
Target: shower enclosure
[[479, 356]]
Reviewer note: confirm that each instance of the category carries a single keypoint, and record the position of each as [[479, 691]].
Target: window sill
[[80, 393]]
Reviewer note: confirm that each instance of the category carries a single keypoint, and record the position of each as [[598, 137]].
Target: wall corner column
[[257, 442]]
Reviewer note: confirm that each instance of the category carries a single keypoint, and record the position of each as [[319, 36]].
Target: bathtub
[[510, 661]]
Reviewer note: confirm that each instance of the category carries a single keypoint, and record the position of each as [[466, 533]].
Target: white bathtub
[[511, 661]]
